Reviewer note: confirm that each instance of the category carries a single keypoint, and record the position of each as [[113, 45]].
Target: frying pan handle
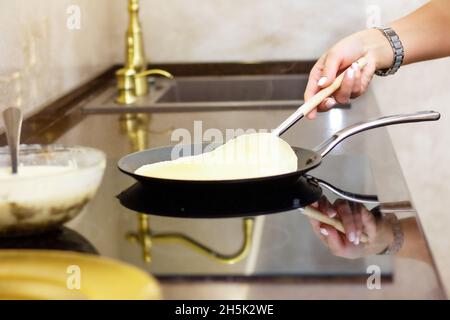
[[350, 196], [343, 134]]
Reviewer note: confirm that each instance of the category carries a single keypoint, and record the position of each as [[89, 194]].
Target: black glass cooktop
[[252, 235], [229, 203], [171, 245]]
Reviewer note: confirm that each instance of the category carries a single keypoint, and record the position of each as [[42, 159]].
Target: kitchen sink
[[238, 88], [209, 93]]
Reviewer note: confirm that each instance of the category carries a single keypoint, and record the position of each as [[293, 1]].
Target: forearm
[[425, 35], [414, 246]]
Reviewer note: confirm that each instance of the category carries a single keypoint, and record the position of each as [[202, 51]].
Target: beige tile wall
[[40, 58], [424, 149], [235, 30]]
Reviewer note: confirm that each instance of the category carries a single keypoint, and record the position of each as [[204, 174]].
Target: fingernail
[[356, 241], [331, 212], [350, 73], [330, 103], [324, 231], [355, 66], [322, 81], [351, 236]]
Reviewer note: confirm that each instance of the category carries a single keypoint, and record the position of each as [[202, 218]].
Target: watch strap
[[397, 48], [397, 231]]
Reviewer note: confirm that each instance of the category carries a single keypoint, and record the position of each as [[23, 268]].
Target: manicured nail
[[351, 236], [324, 231], [322, 81], [355, 66], [350, 73], [331, 213], [330, 103]]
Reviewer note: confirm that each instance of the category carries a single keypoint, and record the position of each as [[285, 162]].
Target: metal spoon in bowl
[[13, 124]]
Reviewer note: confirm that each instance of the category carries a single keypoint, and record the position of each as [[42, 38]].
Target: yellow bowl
[[46, 274]]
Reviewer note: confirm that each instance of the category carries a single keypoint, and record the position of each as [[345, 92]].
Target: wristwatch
[[397, 48], [397, 244]]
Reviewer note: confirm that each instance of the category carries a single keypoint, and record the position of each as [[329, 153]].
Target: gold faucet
[[132, 78], [146, 239]]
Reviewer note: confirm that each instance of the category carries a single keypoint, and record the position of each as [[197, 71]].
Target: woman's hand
[[356, 220], [368, 43]]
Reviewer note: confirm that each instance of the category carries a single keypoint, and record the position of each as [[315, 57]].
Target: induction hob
[[278, 245]]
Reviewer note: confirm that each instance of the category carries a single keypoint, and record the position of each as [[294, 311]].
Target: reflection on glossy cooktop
[[276, 246], [228, 203]]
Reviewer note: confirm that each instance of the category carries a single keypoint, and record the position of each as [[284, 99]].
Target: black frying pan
[[237, 203], [307, 160], [240, 202]]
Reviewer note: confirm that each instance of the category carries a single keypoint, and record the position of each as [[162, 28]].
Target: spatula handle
[[319, 216], [315, 100]]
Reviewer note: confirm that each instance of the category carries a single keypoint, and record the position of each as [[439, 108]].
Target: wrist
[[376, 45], [396, 234], [385, 234]]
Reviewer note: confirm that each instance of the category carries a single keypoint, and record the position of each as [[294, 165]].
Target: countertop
[[104, 223]]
